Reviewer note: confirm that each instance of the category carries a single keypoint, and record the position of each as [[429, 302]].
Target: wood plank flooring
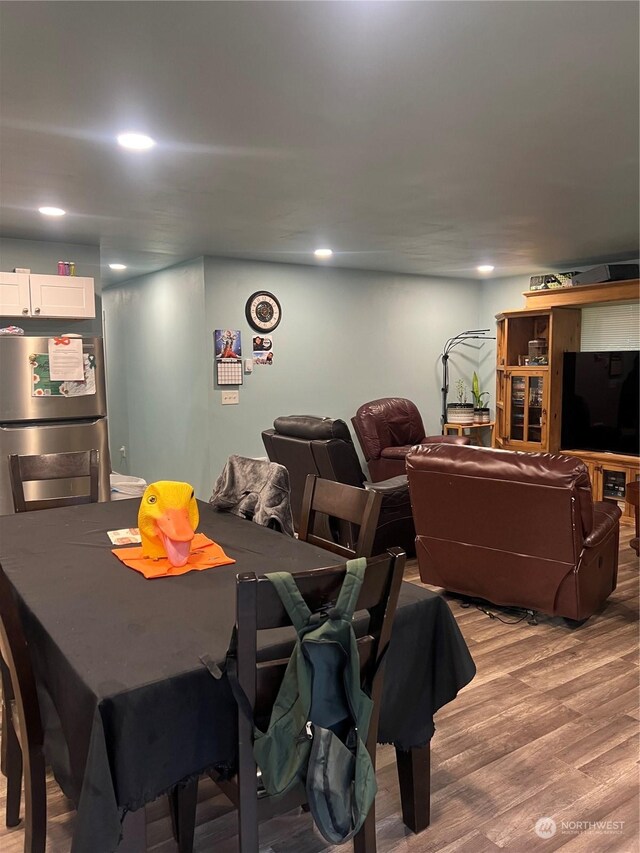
[[547, 729]]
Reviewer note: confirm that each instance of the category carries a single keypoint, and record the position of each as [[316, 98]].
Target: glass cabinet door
[[527, 413]]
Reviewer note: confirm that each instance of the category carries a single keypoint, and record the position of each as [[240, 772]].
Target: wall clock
[[263, 311]]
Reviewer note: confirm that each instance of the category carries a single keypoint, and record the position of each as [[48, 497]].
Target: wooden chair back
[[347, 503], [259, 608], [633, 497], [22, 727], [53, 466]]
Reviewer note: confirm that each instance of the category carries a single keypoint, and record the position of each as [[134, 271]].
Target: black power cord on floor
[[523, 613]]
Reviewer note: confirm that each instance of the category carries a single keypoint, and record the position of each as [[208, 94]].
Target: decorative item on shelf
[[481, 414], [463, 337], [606, 273], [66, 267], [551, 281], [538, 350], [460, 412]]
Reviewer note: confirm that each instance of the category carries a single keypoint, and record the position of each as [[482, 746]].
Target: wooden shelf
[[526, 368], [460, 430], [603, 457], [585, 294]]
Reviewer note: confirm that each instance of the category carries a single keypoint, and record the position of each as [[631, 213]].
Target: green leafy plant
[[477, 393], [461, 391]]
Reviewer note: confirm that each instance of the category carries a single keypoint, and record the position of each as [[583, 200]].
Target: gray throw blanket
[[255, 489]]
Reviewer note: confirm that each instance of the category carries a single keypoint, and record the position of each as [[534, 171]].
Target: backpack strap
[[351, 585], [292, 600]]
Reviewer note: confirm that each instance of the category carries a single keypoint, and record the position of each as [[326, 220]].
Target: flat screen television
[[600, 402]]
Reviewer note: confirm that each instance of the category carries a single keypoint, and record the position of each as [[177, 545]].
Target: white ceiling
[[422, 137]]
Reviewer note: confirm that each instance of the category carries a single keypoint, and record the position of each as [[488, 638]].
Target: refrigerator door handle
[[50, 424]]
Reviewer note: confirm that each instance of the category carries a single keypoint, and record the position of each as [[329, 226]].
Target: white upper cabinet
[[33, 295], [15, 299]]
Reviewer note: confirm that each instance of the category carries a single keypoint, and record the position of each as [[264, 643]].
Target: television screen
[[600, 402]]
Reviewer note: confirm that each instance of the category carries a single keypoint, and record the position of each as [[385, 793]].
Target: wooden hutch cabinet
[[528, 396], [610, 475]]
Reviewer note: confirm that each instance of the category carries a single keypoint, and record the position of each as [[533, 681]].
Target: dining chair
[[360, 507], [255, 489], [53, 466], [633, 497], [22, 726], [308, 444], [259, 608]]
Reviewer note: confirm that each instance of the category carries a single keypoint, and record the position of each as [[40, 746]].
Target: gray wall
[[346, 337], [157, 370], [42, 257]]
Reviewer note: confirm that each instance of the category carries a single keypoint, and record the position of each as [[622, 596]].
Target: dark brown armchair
[[387, 429], [306, 444], [513, 528]]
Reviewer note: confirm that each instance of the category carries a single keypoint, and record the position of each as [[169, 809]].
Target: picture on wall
[[263, 357], [228, 344], [262, 350], [261, 344], [228, 356]]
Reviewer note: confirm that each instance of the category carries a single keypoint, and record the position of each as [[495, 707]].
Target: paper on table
[[125, 536], [65, 359], [205, 554]]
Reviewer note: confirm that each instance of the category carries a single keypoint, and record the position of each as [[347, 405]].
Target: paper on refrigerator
[[65, 359]]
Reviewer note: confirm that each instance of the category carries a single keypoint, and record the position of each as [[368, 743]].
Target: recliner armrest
[[446, 439], [605, 518], [394, 491], [390, 485]]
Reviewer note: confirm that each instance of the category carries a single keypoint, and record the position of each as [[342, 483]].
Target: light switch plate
[[230, 398], [248, 365]]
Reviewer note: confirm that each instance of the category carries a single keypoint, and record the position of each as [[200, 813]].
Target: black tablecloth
[[129, 707]]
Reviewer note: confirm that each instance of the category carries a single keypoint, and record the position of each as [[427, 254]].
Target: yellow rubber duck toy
[[167, 519]]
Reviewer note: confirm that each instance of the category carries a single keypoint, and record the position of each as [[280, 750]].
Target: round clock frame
[[263, 311]]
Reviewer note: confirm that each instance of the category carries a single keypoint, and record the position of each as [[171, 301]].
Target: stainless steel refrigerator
[[38, 415]]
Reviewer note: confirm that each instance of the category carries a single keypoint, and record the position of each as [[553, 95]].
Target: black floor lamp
[[468, 335]]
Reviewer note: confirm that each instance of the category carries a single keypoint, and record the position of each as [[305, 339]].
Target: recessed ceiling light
[[135, 141], [51, 211], [485, 268], [117, 266], [323, 253]]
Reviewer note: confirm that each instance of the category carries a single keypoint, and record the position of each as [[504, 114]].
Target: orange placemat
[[205, 554]]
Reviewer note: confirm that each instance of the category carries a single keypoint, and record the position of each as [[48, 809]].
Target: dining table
[[124, 663]]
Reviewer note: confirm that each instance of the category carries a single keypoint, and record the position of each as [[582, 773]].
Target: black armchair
[[306, 444]]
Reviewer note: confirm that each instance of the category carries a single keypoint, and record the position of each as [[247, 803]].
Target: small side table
[[459, 429]]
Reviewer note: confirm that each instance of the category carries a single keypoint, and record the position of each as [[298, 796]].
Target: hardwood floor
[[547, 729]]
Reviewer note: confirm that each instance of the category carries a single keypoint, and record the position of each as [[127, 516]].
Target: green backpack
[[320, 719]]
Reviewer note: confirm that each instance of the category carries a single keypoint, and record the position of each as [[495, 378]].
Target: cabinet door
[[526, 405], [62, 296], [612, 485], [14, 294]]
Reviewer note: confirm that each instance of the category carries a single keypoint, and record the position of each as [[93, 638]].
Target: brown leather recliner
[[513, 528], [387, 429], [306, 444]]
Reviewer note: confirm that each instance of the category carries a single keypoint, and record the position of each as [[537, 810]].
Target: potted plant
[[460, 412], [481, 413]]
